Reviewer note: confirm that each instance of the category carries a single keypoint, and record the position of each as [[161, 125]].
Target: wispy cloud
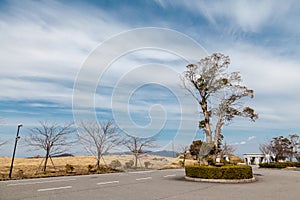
[[251, 138], [45, 43]]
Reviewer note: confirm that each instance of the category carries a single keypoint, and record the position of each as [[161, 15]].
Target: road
[[157, 184]]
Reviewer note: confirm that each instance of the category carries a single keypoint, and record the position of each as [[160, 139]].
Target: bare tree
[[183, 150], [226, 149], [98, 139], [279, 148], [136, 145], [295, 143], [50, 137], [208, 81]]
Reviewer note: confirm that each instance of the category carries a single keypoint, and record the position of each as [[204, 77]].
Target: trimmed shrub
[[91, 168], [115, 164], [224, 172], [69, 168], [147, 164], [129, 164], [279, 165]]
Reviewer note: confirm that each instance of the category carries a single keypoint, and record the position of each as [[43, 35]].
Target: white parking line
[[49, 189], [110, 182], [139, 179], [170, 175], [141, 172], [39, 182]]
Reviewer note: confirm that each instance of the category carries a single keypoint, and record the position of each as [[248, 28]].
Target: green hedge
[[279, 165], [224, 172]]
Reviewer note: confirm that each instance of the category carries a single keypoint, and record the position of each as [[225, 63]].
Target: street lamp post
[[13, 158]]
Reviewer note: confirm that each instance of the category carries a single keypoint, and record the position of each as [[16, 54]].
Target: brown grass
[[32, 167]]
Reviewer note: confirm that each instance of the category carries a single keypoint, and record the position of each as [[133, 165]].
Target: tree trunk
[[136, 160], [46, 160], [98, 162], [208, 133], [218, 132]]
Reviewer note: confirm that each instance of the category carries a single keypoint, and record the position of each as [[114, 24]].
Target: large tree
[[295, 144], [279, 148], [98, 138], [52, 138], [218, 93], [136, 145]]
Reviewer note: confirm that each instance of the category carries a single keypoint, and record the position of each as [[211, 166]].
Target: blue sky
[[45, 44]]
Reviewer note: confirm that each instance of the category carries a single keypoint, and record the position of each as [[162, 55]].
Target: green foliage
[[195, 148], [224, 172], [281, 147], [129, 164], [279, 165], [181, 163], [210, 160], [69, 168], [115, 164], [147, 164]]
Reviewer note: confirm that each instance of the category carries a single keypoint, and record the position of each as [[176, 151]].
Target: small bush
[[147, 164], [181, 164], [69, 168], [129, 164], [20, 173], [115, 164], [224, 172], [279, 165], [91, 168], [210, 161]]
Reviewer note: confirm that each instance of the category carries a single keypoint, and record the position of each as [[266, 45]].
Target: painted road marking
[[58, 188], [141, 172], [110, 182], [170, 175], [139, 179], [39, 182]]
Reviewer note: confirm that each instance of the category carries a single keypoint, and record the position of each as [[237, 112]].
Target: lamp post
[[13, 158]]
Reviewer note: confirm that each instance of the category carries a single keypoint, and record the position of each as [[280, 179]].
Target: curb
[[251, 180]]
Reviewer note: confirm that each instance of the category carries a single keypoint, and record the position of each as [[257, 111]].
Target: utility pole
[[13, 158]]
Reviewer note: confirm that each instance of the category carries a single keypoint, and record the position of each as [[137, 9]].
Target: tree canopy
[[219, 94]]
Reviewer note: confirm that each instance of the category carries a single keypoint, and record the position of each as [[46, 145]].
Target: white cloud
[[251, 138], [49, 44], [248, 16]]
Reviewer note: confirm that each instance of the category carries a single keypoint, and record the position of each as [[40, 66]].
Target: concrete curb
[[251, 180]]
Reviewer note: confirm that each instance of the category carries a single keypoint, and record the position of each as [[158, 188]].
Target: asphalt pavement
[[157, 184]]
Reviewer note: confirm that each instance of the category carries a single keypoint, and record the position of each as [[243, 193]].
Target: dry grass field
[[31, 167]]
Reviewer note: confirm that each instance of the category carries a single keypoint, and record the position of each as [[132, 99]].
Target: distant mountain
[[164, 153], [63, 155]]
